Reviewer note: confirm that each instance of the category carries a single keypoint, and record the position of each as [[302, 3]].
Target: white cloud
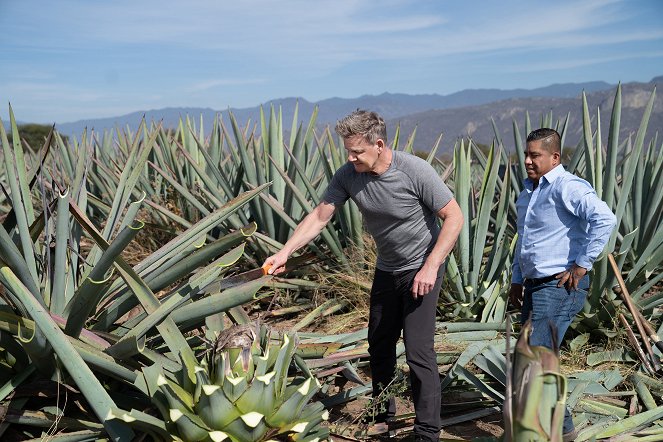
[[327, 34]]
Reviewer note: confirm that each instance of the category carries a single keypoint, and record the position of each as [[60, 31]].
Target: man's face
[[362, 154], [538, 161]]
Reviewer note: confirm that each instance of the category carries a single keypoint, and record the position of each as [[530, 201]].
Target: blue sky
[[67, 60]]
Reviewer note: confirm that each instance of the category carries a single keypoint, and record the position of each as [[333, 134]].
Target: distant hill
[[330, 110], [460, 114], [475, 121]]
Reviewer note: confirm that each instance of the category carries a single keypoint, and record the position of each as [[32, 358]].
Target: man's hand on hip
[[516, 295], [571, 277], [424, 281]]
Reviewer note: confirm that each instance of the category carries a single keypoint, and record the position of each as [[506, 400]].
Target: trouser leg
[[419, 334], [384, 329], [550, 305]]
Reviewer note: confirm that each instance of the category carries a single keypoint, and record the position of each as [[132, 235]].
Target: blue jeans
[[553, 306]]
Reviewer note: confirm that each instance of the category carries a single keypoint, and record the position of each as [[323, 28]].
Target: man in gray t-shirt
[[401, 198], [399, 207]]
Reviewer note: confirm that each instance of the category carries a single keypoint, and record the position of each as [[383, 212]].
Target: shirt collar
[[551, 176]]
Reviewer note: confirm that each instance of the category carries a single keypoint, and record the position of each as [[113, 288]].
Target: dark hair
[[550, 139], [368, 124]]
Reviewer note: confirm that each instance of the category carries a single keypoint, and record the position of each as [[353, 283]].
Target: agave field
[[133, 306]]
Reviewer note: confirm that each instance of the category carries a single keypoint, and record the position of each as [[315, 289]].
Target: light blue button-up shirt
[[561, 222]]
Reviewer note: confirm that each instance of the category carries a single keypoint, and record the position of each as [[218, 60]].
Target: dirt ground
[[343, 420], [345, 425], [484, 427]]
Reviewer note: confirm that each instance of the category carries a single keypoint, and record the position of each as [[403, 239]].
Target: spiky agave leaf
[[234, 387], [309, 426], [260, 396], [249, 426], [296, 397], [190, 426], [214, 407]]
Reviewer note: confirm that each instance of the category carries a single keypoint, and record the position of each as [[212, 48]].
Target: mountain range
[[477, 121], [465, 113]]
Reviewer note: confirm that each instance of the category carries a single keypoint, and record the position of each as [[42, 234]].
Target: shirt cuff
[[584, 262]]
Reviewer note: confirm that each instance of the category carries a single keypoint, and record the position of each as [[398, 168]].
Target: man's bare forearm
[[451, 226], [309, 228], [305, 232]]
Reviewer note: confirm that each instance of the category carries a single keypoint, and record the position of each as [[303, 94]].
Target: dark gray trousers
[[393, 309]]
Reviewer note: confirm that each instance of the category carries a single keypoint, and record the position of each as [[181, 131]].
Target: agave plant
[[535, 393], [55, 291], [241, 392], [477, 273]]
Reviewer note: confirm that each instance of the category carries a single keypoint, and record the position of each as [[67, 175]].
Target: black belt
[[539, 281]]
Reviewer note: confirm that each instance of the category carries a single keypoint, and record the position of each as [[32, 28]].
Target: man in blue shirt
[[562, 228]]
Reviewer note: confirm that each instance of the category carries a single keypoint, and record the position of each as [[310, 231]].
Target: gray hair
[[368, 124]]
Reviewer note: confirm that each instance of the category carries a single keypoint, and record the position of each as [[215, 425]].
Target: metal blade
[[232, 281]]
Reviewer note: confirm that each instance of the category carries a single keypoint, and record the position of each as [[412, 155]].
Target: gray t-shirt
[[399, 208]]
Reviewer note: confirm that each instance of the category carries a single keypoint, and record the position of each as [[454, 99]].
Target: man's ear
[[557, 157], [380, 144]]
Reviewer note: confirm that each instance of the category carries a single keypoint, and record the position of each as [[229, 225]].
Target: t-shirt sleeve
[[336, 193], [432, 190]]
